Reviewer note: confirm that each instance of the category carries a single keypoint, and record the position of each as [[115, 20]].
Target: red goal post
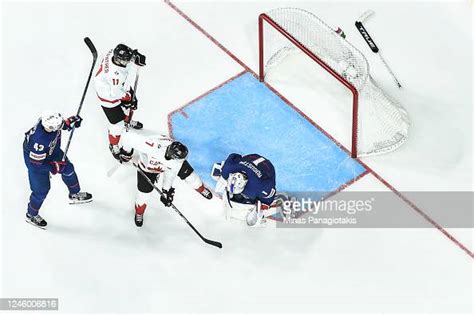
[[291, 24], [355, 95]]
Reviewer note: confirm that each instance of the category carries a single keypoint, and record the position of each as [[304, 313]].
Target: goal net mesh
[[382, 123]]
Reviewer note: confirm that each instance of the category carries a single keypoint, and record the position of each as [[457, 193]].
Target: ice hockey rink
[[200, 80]]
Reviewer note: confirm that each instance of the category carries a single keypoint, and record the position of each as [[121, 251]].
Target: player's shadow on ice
[[285, 247], [164, 230], [101, 223]]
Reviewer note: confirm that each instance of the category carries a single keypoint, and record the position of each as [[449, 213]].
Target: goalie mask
[[51, 121], [236, 183]]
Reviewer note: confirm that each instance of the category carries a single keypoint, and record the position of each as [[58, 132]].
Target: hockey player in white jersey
[[113, 84], [159, 155]]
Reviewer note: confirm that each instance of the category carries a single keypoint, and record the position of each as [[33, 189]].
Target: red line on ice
[[341, 188], [380, 178], [212, 39]]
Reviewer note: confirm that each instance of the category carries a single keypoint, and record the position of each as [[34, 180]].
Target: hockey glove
[[134, 101], [139, 59], [120, 154], [125, 156], [57, 167], [256, 218], [132, 93], [134, 104], [167, 197], [130, 102], [73, 122], [116, 151]]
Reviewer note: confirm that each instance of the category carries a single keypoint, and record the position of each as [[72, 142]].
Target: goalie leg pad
[[236, 210]]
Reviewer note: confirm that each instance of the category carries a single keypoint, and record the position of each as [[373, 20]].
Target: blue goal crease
[[244, 116]]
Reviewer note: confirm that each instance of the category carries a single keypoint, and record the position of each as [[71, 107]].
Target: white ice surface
[[94, 259], [435, 72]]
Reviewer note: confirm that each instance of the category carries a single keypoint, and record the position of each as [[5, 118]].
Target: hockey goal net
[[379, 123]]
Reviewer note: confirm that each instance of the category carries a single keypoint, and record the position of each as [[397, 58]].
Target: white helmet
[[236, 183], [51, 121]]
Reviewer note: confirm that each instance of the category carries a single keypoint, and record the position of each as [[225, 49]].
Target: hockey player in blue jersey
[[247, 184], [43, 156]]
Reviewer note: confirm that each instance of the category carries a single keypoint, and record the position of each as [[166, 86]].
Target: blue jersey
[[41, 146], [260, 173]]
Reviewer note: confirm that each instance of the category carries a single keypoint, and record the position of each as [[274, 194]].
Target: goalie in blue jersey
[[247, 185]]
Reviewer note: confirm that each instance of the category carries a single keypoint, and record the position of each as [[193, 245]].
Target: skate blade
[[39, 227], [78, 202]]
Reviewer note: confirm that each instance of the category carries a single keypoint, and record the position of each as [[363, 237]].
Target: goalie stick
[[94, 59], [205, 240], [368, 39]]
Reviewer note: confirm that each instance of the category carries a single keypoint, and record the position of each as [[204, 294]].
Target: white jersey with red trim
[[112, 82], [151, 150]]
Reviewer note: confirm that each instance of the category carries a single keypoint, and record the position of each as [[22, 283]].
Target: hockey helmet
[[236, 182], [122, 54], [51, 121], [176, 151]]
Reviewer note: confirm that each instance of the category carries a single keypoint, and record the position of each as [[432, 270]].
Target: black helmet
[[123, 54], [176, 150]]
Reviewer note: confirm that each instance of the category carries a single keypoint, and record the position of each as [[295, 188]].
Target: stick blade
[[364, 16], [213, 243], [112, 170], [91, 46]]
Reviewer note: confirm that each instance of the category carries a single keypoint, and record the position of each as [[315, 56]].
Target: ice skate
[[36, 220], [80, 197]]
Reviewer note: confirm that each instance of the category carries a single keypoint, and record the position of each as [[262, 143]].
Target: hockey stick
[[207, 241], [368, 39], [94, 59], [112, 170], [130, 115]]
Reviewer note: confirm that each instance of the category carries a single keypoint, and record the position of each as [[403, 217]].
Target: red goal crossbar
[[355, 94]]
